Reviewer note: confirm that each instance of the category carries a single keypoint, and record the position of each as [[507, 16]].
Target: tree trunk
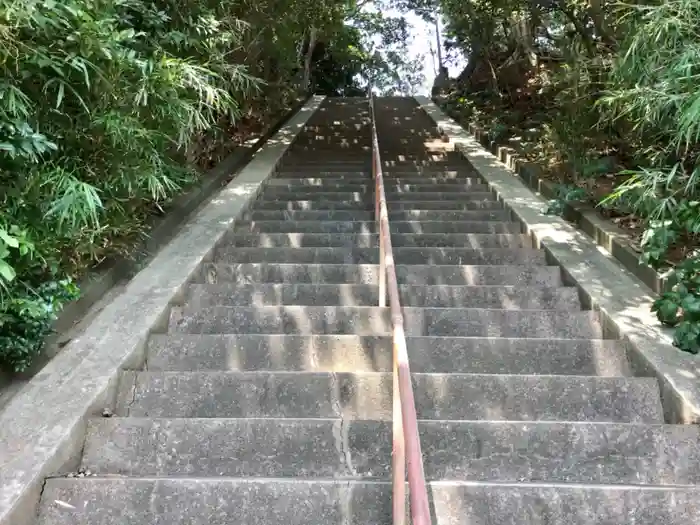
[[313, 36]]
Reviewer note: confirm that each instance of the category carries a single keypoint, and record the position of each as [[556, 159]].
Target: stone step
[[358, 148], [271, 194], [302, 161], [339, 158], [255, 239], [223, 501], [368, 396], [348, 173], [317, 224], [404, 256], [369, 274], [491, 213], [505, 297], [352, 353], [390, 187], [369, 205], [420, 183], [430, 196], [371, 240], [452, 451], [335, 172], [330, 320], [367, 196]]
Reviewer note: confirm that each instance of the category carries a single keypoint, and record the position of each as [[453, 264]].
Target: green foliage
[[680, 308], [26, 319], [565, 193], [106, 105], [652, 92], [26, 312], [612, 84]]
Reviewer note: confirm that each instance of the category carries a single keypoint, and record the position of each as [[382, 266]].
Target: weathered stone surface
[[368, 396], [300, 240], [450, 224], [367, 183], [460, 322], [430, 256], [311, 222], [289, 273], [453, 451], [207, 501], [366, 193], [437, 296], [368, 205], [308, 216], [309, 194], [464, 275], [302, 205], [470, 322], [352, 353], [465, 240]]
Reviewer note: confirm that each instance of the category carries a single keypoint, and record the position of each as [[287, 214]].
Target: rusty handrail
[[407, 453]]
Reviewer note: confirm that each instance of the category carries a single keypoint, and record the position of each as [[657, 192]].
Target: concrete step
[[421, 256], [505, 297], [352, 353], [371, 240], [461, 240], [429, 196], [299, 240], [368, 396], [260, 204], [223, 501], [390, 187], [334, 172], [284, 216], [309, 194], [364, 183], [317, 224], [369, 274], [362, 172], [459, 322], [452, 451], [357, 184], [494, 212], [399, 205], [302, 162]]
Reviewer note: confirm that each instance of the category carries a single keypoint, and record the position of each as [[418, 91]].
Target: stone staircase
[[268, 400]]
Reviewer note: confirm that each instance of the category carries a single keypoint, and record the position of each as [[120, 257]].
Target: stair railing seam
[[407, 455]]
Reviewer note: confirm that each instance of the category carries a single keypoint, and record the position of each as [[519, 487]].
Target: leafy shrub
[[565, 193], [98, 98], [680, 308]]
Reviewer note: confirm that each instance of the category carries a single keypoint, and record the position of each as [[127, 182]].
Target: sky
[[423, 35]]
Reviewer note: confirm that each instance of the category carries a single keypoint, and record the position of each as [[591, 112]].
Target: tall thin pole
[[437, 37]]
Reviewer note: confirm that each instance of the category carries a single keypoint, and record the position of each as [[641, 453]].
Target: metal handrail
[[407, 453]]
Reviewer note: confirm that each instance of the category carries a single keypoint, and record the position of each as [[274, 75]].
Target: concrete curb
[[42, 427], [586, 217], [622, 301]]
